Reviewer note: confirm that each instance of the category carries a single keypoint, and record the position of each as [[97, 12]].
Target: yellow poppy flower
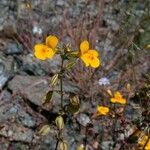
[[46, 51], [102, 110], [118, 98], [89, 57], [143, 141]]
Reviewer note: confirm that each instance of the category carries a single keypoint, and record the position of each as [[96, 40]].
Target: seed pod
[[109, 92], [74, 100], [70, 64], [59, 122], [54, 79], [128, 87], [62, 145], [44, 130], [47, 97]]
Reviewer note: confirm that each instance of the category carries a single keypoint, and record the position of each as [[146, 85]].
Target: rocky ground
[[119, 29]]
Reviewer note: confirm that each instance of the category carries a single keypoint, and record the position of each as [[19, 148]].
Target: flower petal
[[94, 53], [117, 94], [52, 41], [49, 53], [113, 100], [122, 101], [84, 47], [85, 59], [95, 62], [39, 51], [102, 110]]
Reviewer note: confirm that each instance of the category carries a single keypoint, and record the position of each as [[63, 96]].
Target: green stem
[[61, 82]]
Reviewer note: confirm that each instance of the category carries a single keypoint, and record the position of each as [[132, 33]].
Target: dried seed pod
[[62, 145], [59, 122]]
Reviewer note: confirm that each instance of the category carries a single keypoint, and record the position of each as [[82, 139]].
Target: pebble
[[4, 77], [83, 119]]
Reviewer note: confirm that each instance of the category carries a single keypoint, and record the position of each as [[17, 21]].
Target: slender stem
[[61, 82], [56, 144]]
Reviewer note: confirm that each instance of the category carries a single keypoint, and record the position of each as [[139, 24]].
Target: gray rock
[[35, 88], [83, 119], [107, 145], [4, 77], [13, 48], [16, 132], [9, 111]]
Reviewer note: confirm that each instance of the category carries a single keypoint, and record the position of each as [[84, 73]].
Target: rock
[[17, 132], [4, 78], [35, 88], [60, 3], [13, 48], [2, 68], [10, 110], [83, 119], [107, 145], [33, 69], [33, 66], [5, 96]]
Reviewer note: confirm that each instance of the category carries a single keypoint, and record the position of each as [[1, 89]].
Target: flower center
[[91, 57]]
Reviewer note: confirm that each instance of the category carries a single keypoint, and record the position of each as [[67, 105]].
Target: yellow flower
[[88, 56], [45, 51], [143, 142], [118, 98], [102, 110]]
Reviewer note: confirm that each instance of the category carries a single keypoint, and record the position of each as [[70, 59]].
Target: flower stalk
[[61, 83]]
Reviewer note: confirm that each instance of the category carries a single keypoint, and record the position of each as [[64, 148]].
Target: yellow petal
[[49, 53], [84, 47], [52, 41], [95, 62], [93, 52], [39, 51], [85, 59], [143, 140], [122, 101], [113, 100], [117, 94], [102, 110]]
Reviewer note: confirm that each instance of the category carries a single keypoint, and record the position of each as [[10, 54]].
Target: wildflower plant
[[69, 57], [47, 50]]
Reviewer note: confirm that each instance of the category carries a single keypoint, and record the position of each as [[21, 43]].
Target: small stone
[[4, 77], [83, 119], [60, 3]]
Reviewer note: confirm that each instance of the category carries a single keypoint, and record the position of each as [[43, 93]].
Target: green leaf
[[72, 109], [48, 97]]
